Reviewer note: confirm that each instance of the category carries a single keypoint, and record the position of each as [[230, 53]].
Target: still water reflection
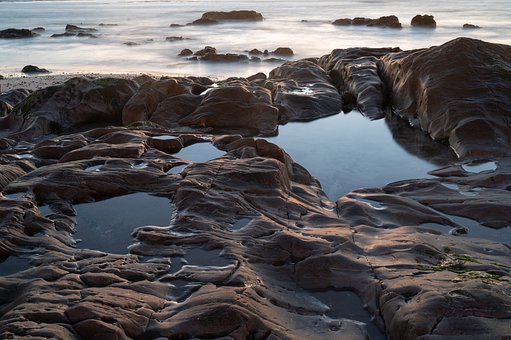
[[347, 151]]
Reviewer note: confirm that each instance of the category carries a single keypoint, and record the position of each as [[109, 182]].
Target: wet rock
[[356, 74], [14, 97], [234, 107], [14, 33], [386, 21], [205, 50], [303, 91], [244, 15], [185, 53], [175, 38], [283, 51], [470, 26], [77, 102], [427, 21], [33, 69], [456, 106], [77, 29], [144, 103], [221, 57]]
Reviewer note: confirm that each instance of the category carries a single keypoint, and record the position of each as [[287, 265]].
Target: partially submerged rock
[[386, 21], [15, 33], [33, 69], [426, 20], [435, 91]]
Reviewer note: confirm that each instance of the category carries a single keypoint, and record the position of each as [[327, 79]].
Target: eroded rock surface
[[251, 247], [456, 94]]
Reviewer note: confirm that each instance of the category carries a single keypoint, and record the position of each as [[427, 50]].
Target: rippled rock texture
[[251, 247], [457, 92]]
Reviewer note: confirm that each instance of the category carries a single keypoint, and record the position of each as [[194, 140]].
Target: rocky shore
[[253, 248]]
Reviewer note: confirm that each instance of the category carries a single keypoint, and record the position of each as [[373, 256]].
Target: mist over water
[[305, 26]]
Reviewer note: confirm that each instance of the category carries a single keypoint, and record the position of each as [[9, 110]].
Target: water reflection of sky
[[347, 151]]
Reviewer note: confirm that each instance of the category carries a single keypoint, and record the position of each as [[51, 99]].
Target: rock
[[144, 103], [386, 21], [283, 51], [172, 39], [423, 21], [176, 25], [457, 105], [470, 26], [205, 50], [235, 107], [227, 57], [14, 97], [356, 73], [172, 109], [257, 76], [303, 91], [204, 21], [76, 102], [34, 69], [244, 15], [185, 53], [14, 33], [255, 51], [77, 29], [38, 29]]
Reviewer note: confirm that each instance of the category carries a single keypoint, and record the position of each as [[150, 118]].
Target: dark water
[[107, 225]]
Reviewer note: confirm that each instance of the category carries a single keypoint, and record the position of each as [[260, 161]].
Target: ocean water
[[303, 25]]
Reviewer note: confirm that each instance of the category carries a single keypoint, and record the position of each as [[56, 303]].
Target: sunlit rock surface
[[247, 245]]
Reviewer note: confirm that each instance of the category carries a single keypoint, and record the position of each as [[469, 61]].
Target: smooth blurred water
[[305, 26]]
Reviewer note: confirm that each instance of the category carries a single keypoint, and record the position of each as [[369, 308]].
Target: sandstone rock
[[245, 15], [144, 103], [470, 26], [14, 97], [309, 95], [185, 53], [283, 51], [76, 102], [386, 21], [220, 57], [33, 69], [423, 21], [234, 107], [444, 104], [14, 33]]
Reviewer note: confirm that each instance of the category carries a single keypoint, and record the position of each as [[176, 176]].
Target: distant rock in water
[[283, 51], [14, 33], [185, 52], [386, 21], [34, 69], [455, 94], [76, 31], [38, 29], [470, 26], [423, 21], [175, 38], [233, 15]]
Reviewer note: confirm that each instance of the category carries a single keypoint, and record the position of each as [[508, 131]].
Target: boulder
[[244, 15], [236, 107], [386, 21], [427, 21], [141, 106], [185, 53], [34, 69], [470, 26], [455, 95], [15, 33], [68, 106], [221, 57], [205, 50], [77, 29], [283, 51], [303, 91]]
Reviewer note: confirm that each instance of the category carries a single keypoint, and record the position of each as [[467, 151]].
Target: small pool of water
[[200, 257], [347, 151], [240, 224], [199, 152], [346, 304], [107, 225], [164, 137], [177, 169], [14, 264], [479, 167]]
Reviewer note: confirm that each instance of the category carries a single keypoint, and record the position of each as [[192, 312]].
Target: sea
[[131, 34]]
